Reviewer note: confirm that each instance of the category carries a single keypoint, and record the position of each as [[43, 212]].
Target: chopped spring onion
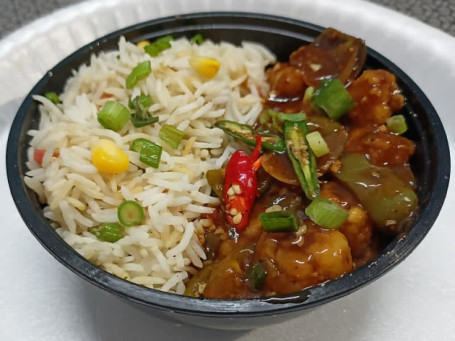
[[287, 117], [397, 124], [258, 275], [317, 143], [145, 100], [108, 232], [53, 97], [141, 117], [164, 42], [171, 135], [130, 213], [326, 214], [159, 45], [138, 121], [278, 118], [279, 221], [113, 115], [308, 94], [264, 117], [139, 72], [197, 39], [152, 50], [332, 96], [149, 152], [137, 144]]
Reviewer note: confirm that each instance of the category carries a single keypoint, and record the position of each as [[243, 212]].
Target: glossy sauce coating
[[314, 255]]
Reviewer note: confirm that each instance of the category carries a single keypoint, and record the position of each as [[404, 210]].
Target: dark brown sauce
[[313, 255]]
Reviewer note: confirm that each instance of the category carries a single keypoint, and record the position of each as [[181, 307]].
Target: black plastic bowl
[[282, 36]]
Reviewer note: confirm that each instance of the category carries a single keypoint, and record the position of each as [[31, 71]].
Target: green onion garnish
[[164, 42], [332, 96], [171, 135], [152, 50], [159, 45], [287, 117], [137, 144], [130, 213], [264, 117], [149, 152], [141, 117], [144, 100], [308, 94], [113, 115], [278, 118], [140, 72], [258, 275], [326, 214], [53, 97], [108, 232], [139, 122], [317, 143], [397, 124], [197, 39], [279, 221]]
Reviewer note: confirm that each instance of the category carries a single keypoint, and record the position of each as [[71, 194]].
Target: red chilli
[[240, 186]]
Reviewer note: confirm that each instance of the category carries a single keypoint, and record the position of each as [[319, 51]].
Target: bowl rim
[[304, 299]]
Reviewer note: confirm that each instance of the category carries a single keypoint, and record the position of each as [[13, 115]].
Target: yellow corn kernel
[[109, 158], [142, 44], [205, 66]]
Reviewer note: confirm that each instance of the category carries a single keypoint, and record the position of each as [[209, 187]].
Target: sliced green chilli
[[247, 135], [302, 157]]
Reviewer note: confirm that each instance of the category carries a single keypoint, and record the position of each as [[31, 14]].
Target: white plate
[[41, 300]]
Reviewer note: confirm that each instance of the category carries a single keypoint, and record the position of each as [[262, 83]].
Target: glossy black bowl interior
[[282, 36]]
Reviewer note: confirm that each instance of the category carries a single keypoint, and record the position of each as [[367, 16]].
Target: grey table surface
[[437, 13]]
